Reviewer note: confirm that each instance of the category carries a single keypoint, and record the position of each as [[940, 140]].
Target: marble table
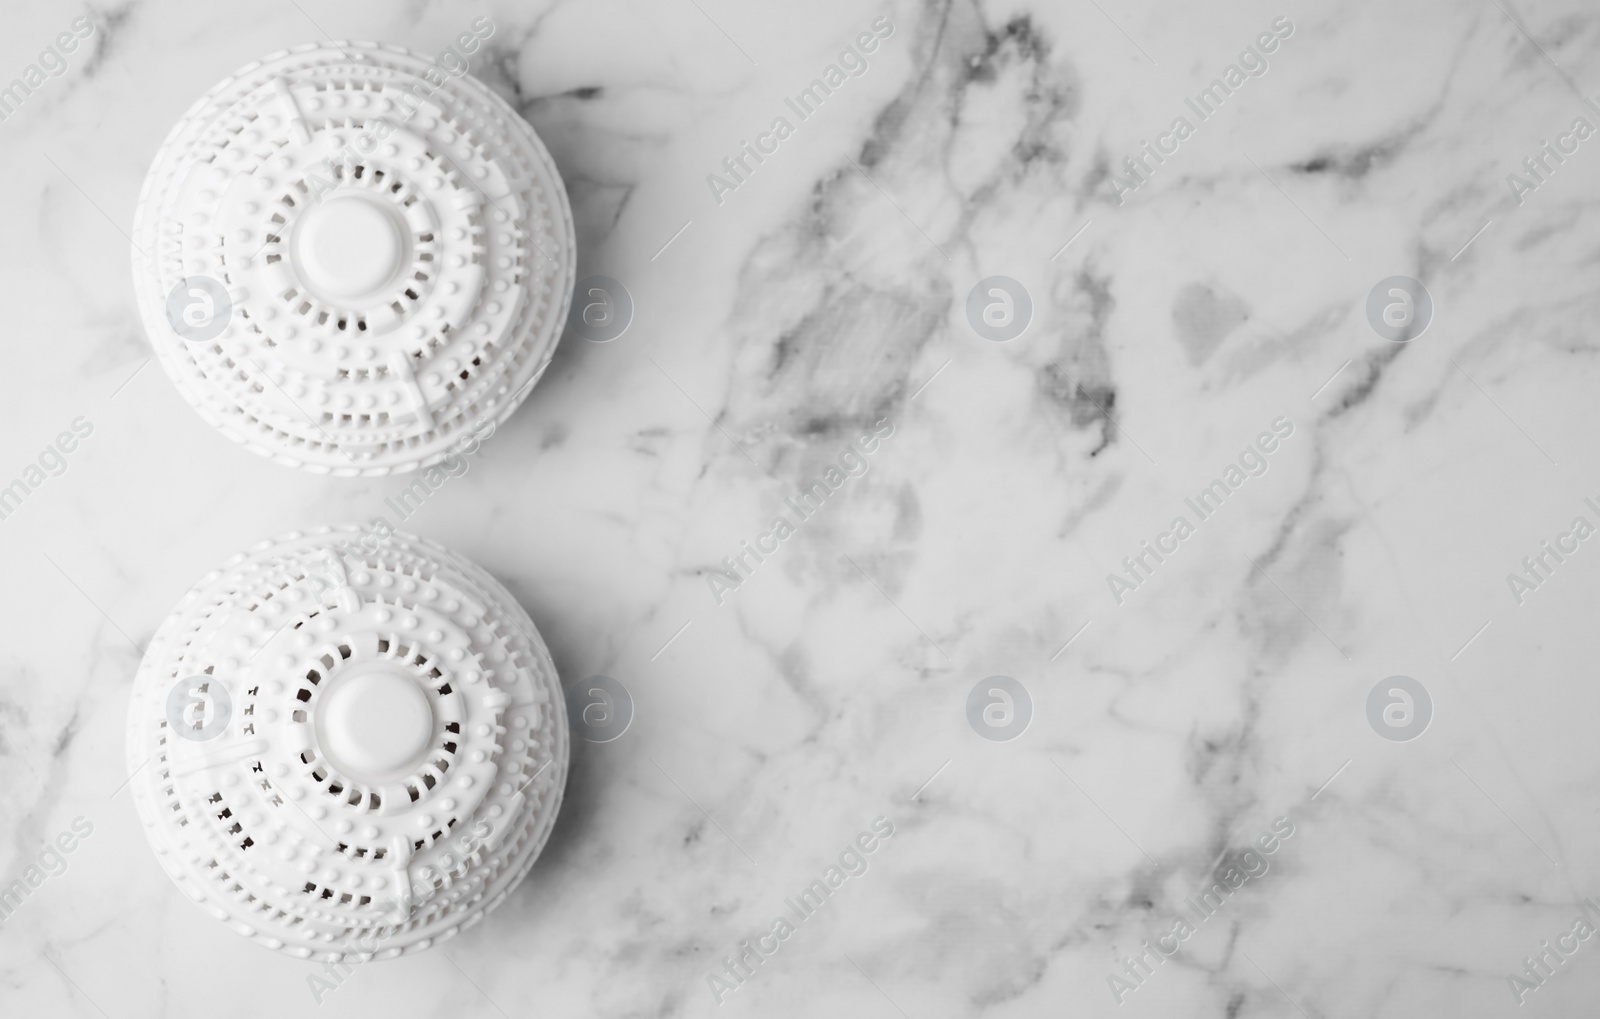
[[1105, 764]]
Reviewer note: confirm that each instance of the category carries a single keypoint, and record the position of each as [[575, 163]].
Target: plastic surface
[[347, 259], [344, 754]]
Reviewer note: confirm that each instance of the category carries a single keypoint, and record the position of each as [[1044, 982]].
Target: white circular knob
[[375, 723], [348, 248]]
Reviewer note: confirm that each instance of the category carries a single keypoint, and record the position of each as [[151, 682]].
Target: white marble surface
[[832, 684]]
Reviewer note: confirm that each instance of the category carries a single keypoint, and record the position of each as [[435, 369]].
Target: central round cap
[[376, 722], [348, 247]]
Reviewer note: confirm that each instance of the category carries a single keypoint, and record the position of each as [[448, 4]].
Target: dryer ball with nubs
[[348, 258], [346, 754]]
